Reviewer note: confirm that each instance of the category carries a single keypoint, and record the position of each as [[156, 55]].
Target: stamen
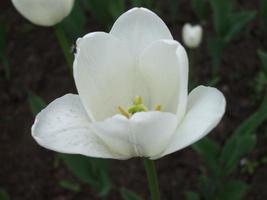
[[124, 112], [158, 107], [137, 106], [137, 100]]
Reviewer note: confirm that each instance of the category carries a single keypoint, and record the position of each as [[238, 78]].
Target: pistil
[[137, 106]]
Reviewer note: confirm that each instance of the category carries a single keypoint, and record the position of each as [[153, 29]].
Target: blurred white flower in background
[[44, 12], [192, 35], [132, 95]]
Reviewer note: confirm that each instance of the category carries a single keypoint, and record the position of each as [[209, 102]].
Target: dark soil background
[[27, 170]]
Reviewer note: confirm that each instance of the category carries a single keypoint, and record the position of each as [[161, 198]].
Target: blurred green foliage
[[70, 185], [221, 162], [71, 28], [3, 49], [260, 83], [227, 23], [248, 166], [3, 195], [263, 59], [263, 11], [36, 103], [192, 196], [75, 24], [93, 171], [129, 195], [201, 9], [105, 11]]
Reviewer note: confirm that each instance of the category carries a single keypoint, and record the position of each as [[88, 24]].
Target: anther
[[123, 112], [158, 107]]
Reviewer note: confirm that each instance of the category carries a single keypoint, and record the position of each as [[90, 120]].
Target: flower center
[[137, 106]]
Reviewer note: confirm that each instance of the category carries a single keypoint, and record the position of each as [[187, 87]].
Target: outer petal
[[104, 74], [206, 106], [139, 27], [164, 67], [145, 134], [44, 12], [64, 126]]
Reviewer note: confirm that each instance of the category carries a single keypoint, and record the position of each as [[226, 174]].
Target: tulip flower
[[44, 12], [132, 96], [192, 35]]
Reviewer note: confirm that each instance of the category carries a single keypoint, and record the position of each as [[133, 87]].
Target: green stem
[[6, 66], [191, 58], [64, 44], [191, 62], [152, 179]]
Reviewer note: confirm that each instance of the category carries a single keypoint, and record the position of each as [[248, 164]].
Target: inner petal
[[164, 67], [105, 75]]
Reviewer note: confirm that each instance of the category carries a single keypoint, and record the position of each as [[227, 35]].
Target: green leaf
[[100, 11], [254, 121], [116, 8], [3, 195], [209, 151], [237, 22], [192, 196], [200, 8], [36, 103], [129, 195], [93, 171], [69, 185], [207, 148], [75, 23], [233, 190], [65, 44], [3, 49], [137, 3], [242, 141], [263, 58], [207, 187], [216, 47], [174, 7], [221, 12], [240, 147], [143, 3], [263, 10]]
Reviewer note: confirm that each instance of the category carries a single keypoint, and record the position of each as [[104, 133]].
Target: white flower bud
[[192, 35], [44, 12]]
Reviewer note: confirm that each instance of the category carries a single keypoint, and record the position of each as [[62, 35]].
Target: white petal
[[44, 12], [104, 74], [206, 106], [139, 27], [153, 131], [64, 126], [145, 134], [164, 67], [192, 35], [115, 133]]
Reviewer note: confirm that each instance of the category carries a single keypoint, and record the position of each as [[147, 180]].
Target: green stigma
[[137, 106]]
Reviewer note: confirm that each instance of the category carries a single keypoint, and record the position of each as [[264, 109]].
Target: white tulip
[[192, 35], [44, 12], [137, 58]]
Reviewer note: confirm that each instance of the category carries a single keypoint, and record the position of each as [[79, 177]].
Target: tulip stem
[[191, 66], [64, 44], [152, 179]]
